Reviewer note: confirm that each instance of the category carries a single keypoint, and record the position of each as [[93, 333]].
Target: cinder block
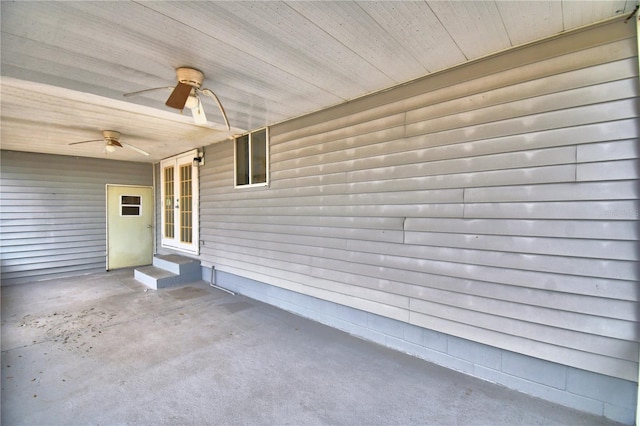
[[302, 300], [473, 352], [414, 334], [534, 369], [448, 361], [282, 304], [231, 281], [624, 415], [424, 337], [256, 289], [234, 282], [324, 307], [339, 324], [618, 392], [405, 346], [279, 293], [367, 334], [251, 293], [244, 286], [225, 279], [435, 340], [352, 315], [541, 391], [304, 312], [205, 274], [386, 325]]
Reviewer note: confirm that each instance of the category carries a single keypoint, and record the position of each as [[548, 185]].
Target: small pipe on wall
[[212, 284]]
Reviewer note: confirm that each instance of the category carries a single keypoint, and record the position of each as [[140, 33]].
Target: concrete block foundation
[[610, 397]]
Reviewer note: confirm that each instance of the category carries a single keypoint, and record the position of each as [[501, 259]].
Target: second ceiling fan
[[111, 140], [187, 93]]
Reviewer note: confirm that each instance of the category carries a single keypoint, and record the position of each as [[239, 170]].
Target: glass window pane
[[168, 204], [259, 156], [131, 199], [130, 211], [242, 160], [186, 201]]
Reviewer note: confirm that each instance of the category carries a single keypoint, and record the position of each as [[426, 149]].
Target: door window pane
[[169, 220], [186, 202], [130, 211], [130, 205], [131, 199]]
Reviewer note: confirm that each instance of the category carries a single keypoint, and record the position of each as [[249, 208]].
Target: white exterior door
[[129, 226], [180, 203]]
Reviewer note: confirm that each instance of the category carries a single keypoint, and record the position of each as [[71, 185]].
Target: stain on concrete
[[232, 308], [187, 293], [71, 331]]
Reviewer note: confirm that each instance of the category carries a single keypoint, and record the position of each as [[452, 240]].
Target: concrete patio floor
[[101, 349]]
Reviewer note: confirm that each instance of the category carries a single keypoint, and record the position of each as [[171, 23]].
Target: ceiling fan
[[111, 138], [187, 93]]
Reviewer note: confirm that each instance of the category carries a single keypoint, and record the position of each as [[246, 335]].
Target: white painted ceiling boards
[[66, 65]]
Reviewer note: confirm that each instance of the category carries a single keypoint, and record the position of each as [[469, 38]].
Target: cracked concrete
[[103, 349]]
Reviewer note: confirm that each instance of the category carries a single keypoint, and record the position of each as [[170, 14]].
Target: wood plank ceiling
[[66, 65]]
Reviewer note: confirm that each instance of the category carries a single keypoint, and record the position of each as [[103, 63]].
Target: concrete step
[[179, 265], [169, 270]]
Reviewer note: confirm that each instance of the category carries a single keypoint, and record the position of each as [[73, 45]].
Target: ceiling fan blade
[[199, 117], [135, 148], [126, 95], [213, 96], [116, 143], [93, 140], [179, 96]]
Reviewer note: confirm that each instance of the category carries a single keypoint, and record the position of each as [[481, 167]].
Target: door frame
[[186, 157]]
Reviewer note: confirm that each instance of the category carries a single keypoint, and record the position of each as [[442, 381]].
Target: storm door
[[180, 201]]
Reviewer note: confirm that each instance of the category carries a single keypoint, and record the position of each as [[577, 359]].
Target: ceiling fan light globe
[[109, 148]]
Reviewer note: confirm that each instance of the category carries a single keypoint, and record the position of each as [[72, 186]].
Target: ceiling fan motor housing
[[111, 138], [190, 76], [110, 135]]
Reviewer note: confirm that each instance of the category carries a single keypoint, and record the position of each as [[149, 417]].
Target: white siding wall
[[496, 202], [53, 213]]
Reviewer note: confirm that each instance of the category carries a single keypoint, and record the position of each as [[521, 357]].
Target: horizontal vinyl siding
[[53, 213], [496, 202]]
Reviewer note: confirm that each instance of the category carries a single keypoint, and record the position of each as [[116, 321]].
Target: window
[[130, 205], [252, 163]]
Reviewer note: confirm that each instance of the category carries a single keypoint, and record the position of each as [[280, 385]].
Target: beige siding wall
[[497, 202], [53, 213]]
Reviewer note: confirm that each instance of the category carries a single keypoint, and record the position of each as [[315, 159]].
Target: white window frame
[[139, 206], [249, 168]]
